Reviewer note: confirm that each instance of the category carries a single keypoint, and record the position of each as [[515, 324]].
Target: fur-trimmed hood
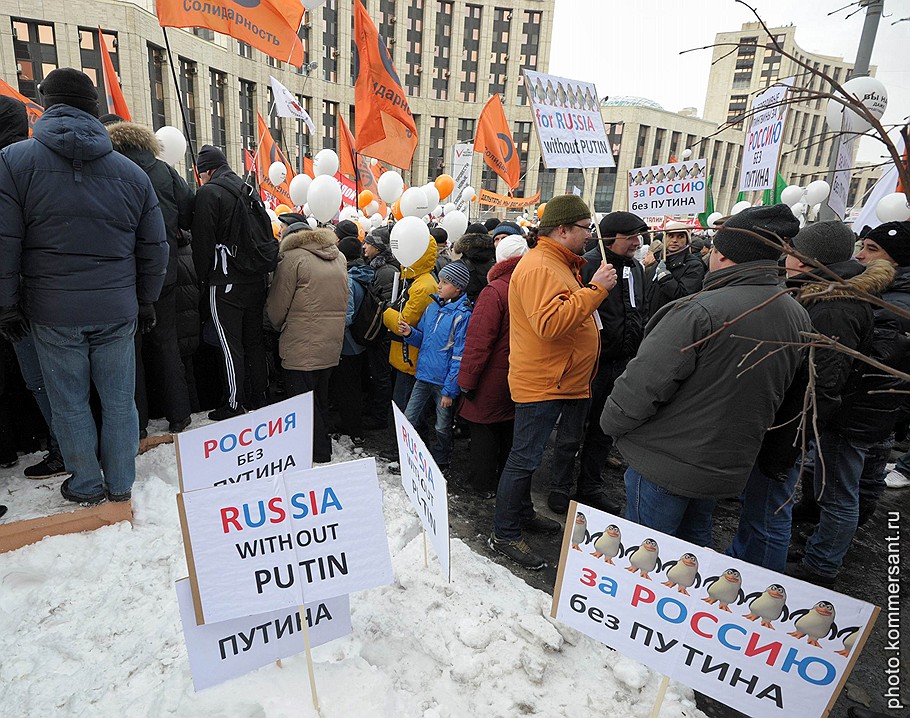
[[320, 242], [471, 244], [500, 269], [129, 135], [874, 279]]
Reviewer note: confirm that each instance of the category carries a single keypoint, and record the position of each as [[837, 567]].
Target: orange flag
[[33, 109], [384, 125], [346, 145], [494, 141], [115, 101], [267, 25], [269, 153]]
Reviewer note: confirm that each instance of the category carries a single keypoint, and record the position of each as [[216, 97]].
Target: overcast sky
[[631, 47]]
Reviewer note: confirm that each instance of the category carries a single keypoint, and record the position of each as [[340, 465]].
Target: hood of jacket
[[425, 264], [136, 142], [761, 271], [13, 121], [814, 286], [500, 269], [901, 281], [477, 247], [459, 304], [72, 133], [320, 242], [360, 272]]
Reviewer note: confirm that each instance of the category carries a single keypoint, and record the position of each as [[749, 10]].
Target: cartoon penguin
[[660, 175], [683, 573], [579, 531], [671, 175], [608, 544], [816, 622], [851, 634], [649, 178], [768, 606], [644, 558], [725, 589]]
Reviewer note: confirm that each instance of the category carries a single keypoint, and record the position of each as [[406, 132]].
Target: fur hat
[[511, 246], [775, 222], [894, 238], [825, 242], [68, 86], [110, 118], [621, 223], [350, 247], [456, 273], [564, 209], [210, 158]]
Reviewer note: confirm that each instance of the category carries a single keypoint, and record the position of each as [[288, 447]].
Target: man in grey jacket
[[690, 411]]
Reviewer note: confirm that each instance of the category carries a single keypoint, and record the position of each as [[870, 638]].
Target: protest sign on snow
[[221, 651], [764, 138], [299, 537], [763, 643], [566, 115], [674, 188], [426, 488], [251, 446]]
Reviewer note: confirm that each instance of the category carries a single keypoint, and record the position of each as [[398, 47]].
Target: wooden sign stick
[[661, 692], [309, 657]]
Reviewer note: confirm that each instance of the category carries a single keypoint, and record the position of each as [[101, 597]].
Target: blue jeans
[[763, 536], [653, 506], [534, 421], [838, 501], [30, 367], [422, 393], [71, 359], [401, 394]]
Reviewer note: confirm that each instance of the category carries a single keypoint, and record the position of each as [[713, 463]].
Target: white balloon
[[454, 223], [324, 197], [173, 144], [374, 162], [325, 163], [817, 191], [873, 95], [812, 213], [791, 195], [450, 207], [740, 206], [278, 173], [713, 217], [313, 222], [413, 202], [298, 188], [467, 194], [432, 194], [365, 223], [375, 219], [271, 213], [390, 186], [893, 208], [409, 240], [686, 153], [306, 209], [802, 221], [347, 212], [371, 209], [437, 211], [798, 209]]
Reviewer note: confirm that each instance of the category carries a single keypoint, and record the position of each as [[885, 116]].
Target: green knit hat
[[564, 209]]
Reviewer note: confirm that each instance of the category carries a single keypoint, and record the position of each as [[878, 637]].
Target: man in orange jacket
[[554, 345]]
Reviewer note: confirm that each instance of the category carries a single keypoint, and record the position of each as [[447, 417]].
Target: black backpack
[[366, 327], [254, 249]]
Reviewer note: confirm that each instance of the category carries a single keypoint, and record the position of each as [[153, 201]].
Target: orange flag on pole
[[268, 25], [346, 145], [115, 101], [494, 142], [269, 153], [384, 125], [33, 109]]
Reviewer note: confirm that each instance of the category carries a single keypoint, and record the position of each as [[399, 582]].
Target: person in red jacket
[[484, 376]]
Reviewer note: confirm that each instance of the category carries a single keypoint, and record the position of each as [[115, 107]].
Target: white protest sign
[[764, 138], [843, 169], [765, 644], [296, 538], [426, 488], [462, 157], [221, 651], [251, 446], [566, 115], [674, 188]]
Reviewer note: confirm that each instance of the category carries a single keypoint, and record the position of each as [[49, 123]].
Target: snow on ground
[[89, 626]]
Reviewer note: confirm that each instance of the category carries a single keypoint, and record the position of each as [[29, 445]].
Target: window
[[502, 22], [603, 191], [546, 180], [204, 33], [657, 158], [36, 54], [414, 40], [247, 115], [219, 123], [303, 132], [303, 32], [466, 129], [329, 132], [614, 136], [810, 139], [387, 23], [244, 50], [156, 85], [90, 56], [470, 53], [330, 41], [522, 138], [736, 109], [188, 91], [437, 155], [441, 59], [575, 178], [640, 148], [530, 41], [727, 168]]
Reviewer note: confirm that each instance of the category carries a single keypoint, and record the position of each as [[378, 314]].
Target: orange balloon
[[364, 199], [282, 209], [444, 185], [361, 232], [276, 230], [396, 210], [540, 210]]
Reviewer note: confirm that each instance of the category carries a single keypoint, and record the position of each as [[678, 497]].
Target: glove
[[661, 271], [147, 318], [13, 324]]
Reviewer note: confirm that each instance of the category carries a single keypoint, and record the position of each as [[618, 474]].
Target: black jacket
[[385, 267], [174, 195], [687, 273], [189, 324], [477, 251], [623, 314]]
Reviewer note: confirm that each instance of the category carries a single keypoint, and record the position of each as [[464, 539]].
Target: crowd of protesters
[[123, 297]]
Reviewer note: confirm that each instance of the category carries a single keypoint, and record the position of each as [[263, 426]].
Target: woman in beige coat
[[307, 303]]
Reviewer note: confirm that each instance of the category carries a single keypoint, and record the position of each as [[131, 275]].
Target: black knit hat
[[110, 119], [775, 222], [13, 121], [621, 223], [347, 228], [350, 247], [564, 209], [491, 223], [825, 242], [289, 218], [894, 238], [476, 228], [210, 158], [68, 86], [439, 234]]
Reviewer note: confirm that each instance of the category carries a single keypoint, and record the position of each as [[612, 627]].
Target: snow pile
[[89, 626]]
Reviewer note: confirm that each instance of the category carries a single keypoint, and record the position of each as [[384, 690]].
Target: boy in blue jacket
[[440, 335]]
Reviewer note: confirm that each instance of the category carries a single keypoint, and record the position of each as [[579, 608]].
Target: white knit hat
[[511, 246]]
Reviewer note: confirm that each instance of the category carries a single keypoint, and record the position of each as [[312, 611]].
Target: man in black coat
[[678, 273]]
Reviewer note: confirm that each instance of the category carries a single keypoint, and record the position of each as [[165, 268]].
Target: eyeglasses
[[586, 227]]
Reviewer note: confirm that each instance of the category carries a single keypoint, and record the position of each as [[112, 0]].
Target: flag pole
[[183, 115]]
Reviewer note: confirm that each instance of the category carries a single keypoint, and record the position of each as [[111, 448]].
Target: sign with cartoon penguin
[[763, 643]]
